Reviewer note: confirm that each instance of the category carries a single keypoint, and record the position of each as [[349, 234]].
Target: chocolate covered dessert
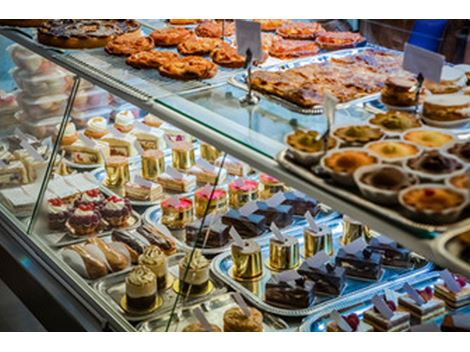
[[289, 290]]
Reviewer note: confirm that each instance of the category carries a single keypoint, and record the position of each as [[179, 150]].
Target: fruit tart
[[92, 196], [116, 211], [395, 121], [358, 134], [85, 220], [307, 146], [126, 45], [150, 59], [57, 213], [300, 30], [338, 40], [213, 29], [188, 68], [428, 138], [170, 36], [198, 46]]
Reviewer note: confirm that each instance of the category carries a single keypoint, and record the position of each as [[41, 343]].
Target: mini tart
[[116, 211], [395, 121], [433, 165], [300, 30], [126, 45], [306, 146], [358, 134], [343, 163], [170, 36], [459, 181], [434, 203], [428, 138], [213, 29], [393, 151], [198, 46], [188, 68], [461, 150], [150, 59]]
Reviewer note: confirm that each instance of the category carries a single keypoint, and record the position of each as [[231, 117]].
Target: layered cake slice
[[456, 322], [213, 234], [392, 253], [384, 316], [347, 323], [454, 290], [360, 262], [422, 304], [289, 290], [251, 225]]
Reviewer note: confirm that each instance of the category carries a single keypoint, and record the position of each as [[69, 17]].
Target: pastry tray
[[254, 290], [213, 310], [359, 304], [239, 80], [112, 288], [456, 252], [153, 215], [354, 197]]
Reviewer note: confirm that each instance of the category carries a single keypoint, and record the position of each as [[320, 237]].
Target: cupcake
[[57, 213], [97, 128], [92, 196], [85, 220], [70, 134], [154, 259], [194, 273], [124, 121], [116, 211]]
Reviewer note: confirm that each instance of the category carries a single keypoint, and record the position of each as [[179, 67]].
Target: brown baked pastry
[[94, 268], [461, 150], [444, 87], [393, 150], [198, 327], [460, 181], [116, 260], [226, 55], [434, 164], [338, 40], [213, 29], [346, 161], [150, 59], [198, 46], [395, 121], [170, 36], [300, 30], [126, 45], [432, 199], [188, 68], [271, 25], [400, 91], [447, 108], [236, 321], [22, 23], [183, 21], [81, 34], [358, 134], [291, 49]]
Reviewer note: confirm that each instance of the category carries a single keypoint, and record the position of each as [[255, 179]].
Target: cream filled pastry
[[152, 120], [194, 272], [124, 121], [97, 127], [154, 259]]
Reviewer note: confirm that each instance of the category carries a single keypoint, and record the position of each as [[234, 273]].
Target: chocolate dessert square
[[247, 226], [363, 264], [421, 313], [289, 290], [300, 202], [329, 279], [392, 253], [281, 215], [214, 233]]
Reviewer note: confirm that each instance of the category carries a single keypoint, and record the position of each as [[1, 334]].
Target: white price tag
[[248, 209], [277, 233], [205, 165], [242, 304], [202, 319], [236, 237], [174, 201], [329, 107], [143, 182], [138, 147], [248, 35], [276, 199], [311, 222], [339, 320], [418, 60], [174, 173], [31, 151], [87, 141], [355, 246], [317, 260], [382, 307], [415, 296]]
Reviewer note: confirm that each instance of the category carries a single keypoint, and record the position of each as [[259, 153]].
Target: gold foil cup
[[247, 261], [177, 218], [317, 242], [239, 197], [352, 230], [210, 153], [284, 255], [117, 171], [216, 205], [153, 164], [183, 157]]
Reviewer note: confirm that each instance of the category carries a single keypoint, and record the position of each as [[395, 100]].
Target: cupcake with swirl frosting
[[97, 127]]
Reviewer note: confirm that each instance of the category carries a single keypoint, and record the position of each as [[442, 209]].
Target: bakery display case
[[140, 182]]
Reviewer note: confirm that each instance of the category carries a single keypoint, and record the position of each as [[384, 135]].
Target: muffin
[[116, 211]]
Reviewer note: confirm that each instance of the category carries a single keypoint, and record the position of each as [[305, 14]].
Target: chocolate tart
[[392, 253], [213, 235], [300, 202], [433, 166]]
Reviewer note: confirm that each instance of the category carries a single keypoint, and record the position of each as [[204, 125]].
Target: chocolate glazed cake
[[290, 290]]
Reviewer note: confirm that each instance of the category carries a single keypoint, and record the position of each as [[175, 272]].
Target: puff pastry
[[188, 68], [170, 36]]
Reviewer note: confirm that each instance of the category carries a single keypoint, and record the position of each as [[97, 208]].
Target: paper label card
[[355, 246], [248, 35], [276, 200], [143, 182], [236, 237], [173, 201], [142, 126], [382, 307], [239, 182], [202, 319], [19, 133], [174, 173], [116, 133], [339, 320], [385, 240], [428, 327], [2, 164], [415, 296], [205, 165], [31, 151], [391, 295], [87, 141], [277, 233], [311, 221], [248, 209], [242, 304], [329, 107], [450, 281], [418, 60], [289, 275], [169, 141], [318, 260]]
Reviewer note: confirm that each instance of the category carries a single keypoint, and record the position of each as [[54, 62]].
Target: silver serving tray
[[391, 214], [359, 304], [254, 291], [213, 309], [451, 249], [239, 80], [153, 215], [112, 288]]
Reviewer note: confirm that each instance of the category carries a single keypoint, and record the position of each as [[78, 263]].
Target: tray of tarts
[[403, 180], [352, 75]]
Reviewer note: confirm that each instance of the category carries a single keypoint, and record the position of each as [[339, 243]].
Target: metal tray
[[213, 309], [153, 215], [318, 321], [392, 214], [112, 288], [239, 80], [254, 291], [453, 250]]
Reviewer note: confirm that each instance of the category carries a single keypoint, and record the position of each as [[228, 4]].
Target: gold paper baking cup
[[218, 206], [152, 167], [238, 197], [117, 173], [132, 311], [314, 243], [177, 218], [246, 266], [210, 153], [352, 230], [267, 191], [183, 159], [283, 255]]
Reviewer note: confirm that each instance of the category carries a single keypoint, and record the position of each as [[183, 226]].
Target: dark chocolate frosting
[[433, 162]]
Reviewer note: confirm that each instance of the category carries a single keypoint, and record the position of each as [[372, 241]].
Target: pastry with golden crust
[[300, 30], [346, 161], [428, 138], [338, 40], [358, 134], [170, 36], [213, 29], [291, 49], [183, 21], [126, 45], [226, 55], [86, 33], [150, 59], [271, 25], [188, 68], [198, 46], [236, 321]]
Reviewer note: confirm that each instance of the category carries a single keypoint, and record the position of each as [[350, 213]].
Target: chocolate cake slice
[[300, 202], [361, 264], [281, 215], [392, 253], [329, 279], [214, 233], [289, 290], [249, 226]]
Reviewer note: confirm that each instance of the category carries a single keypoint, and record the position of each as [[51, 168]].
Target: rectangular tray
[[254, 291], [391, 214], [239, 80], [213, 309], [318, 321], [112, 288]]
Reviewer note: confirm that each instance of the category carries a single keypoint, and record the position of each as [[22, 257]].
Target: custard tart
[[428, 138], [307, 146], [460, 181], [392, 150], [358, 134]]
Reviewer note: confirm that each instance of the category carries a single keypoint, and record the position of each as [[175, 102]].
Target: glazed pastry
[[242, 191], [329, 279], [285, 254], [454, 298], [279, 214], [213, 29], [170, 36], [157, 238], [117, 171], [188, 68], [173, 180], [94, 268], [154, 259], [134, 247], [399, 321], [428, 308], [395, 121], [354, 323], [447, 107], [291, 49], [428, 138], [300, 30], [116, 260], [150, 59], [141, 289], [96, 128], [124, 121], [198, 46], [206, 173], [213, 234], [307, 146], [226, 55], [153, 164], [247, 260], [393, 151], [143, 192], [126, 45], [358, 134], [236, 321], [270, 25], [217, 204], [338, 40], [194, 273], [57, 214], [434, 165], [270, 186], [116, 211], [92, 196], [461, 150], [399, 91], [233, 166], [85, 220], [198, 327], [289, 290], [362, 264], [177, 212], [392, 253]]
